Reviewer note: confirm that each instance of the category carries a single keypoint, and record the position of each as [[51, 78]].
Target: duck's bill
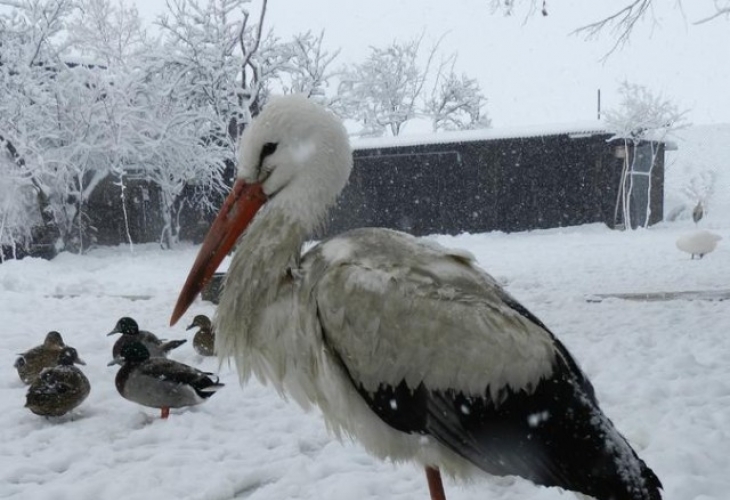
[[236, 214]]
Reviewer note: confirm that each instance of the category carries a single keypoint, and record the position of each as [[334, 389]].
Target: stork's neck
[[270, 246], [256, 301]]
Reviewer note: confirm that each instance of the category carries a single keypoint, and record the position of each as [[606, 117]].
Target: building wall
[[142, 201], [508, 185]]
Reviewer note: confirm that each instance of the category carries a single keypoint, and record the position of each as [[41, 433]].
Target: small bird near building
[[128, 327], [407, 346], [698, 243], [59, 389], [160, 382], [698, 212], [204, 338], [31, 363]]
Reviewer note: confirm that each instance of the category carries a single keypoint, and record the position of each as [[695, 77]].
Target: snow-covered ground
[[660, 368]]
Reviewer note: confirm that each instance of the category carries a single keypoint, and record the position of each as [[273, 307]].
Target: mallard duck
[[160, 382], [128, 327], [698, 243], [204, 338], [58, 389], [32, 362]]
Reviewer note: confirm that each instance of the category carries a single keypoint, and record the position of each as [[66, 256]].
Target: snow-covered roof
[[575, 129]]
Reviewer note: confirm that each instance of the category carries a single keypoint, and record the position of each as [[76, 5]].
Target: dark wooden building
[[446, 183], [140, 202], [142, 206], [507, 180]]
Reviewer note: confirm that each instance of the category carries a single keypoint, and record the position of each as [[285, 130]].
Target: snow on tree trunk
[[122, 196], [642, 118]]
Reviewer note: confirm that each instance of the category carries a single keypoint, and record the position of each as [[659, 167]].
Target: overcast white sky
[[533, 71]]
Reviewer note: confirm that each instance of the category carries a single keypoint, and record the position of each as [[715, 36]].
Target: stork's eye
[[266, 150]]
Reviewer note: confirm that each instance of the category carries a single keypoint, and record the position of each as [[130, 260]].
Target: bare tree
[[248, 98], [721, 9], [175, 154], [213, 49], [74, 150], [382, 93], [86, 95], [621, 23], [211, 65], [456, 102], [33, 109], [305, 65], [18, 207], [66, 124], [108, 33], [643, 118]]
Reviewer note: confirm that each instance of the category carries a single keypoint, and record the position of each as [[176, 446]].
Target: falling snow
[[659, 368], [535, 419]]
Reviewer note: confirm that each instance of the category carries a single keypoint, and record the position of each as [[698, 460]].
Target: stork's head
[[298, 152], [294, 157]]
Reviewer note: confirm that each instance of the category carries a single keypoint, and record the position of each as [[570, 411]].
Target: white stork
[[406, 346]]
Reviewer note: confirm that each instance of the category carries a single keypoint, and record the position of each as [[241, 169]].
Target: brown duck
[[130, 331], [32, 362], [58, 389], [204, 338]]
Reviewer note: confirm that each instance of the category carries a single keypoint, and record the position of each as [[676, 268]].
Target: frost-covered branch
[[722, 9], [620, 24], [456, 102], [642, 119], [643, 115], [108, 34], [304, 65], [382, 92]]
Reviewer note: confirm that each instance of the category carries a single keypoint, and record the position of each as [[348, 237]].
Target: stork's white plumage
[[404, 345]]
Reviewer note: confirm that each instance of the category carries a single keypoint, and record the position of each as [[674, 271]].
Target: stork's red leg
[[435, 486], [165, 411]]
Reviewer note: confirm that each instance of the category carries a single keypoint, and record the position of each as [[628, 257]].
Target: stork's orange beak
[[234, 217]]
